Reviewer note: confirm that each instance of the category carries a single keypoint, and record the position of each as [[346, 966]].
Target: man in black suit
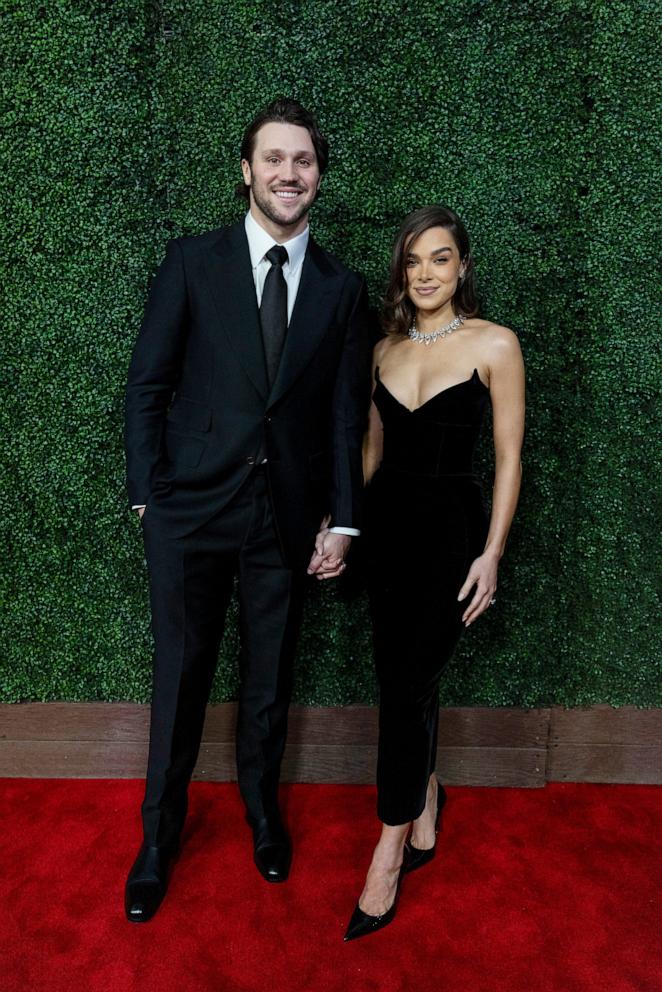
[[244, 417]]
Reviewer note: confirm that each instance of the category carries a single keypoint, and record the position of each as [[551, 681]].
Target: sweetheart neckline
[[465, 382]]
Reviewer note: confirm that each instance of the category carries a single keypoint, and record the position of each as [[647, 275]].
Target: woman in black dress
[[432, 552]]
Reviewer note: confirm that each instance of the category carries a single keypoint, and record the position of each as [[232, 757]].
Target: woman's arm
[[373, 440], [506, 370], [372, 444]]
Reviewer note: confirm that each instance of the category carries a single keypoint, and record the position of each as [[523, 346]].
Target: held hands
[[482, 575], [328, 558]]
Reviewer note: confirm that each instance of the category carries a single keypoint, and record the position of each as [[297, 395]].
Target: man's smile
[[287, 194]]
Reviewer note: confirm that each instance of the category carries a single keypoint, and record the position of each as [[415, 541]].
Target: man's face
[[283, 176]]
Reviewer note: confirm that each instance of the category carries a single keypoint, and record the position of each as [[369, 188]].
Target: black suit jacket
[[198, 405]]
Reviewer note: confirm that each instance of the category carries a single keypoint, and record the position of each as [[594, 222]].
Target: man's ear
[[246, 170]]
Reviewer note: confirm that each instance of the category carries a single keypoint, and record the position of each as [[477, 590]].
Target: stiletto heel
[[361, 924], [414, 857]]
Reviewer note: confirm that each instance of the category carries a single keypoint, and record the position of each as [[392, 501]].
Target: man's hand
[[328, 559], [140, 511]]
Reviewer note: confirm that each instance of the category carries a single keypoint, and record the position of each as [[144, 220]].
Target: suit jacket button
[[250, 460]]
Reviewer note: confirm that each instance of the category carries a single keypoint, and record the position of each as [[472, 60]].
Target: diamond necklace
[[431, 336]]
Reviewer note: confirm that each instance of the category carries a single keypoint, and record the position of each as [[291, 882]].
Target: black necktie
[[273, 310]]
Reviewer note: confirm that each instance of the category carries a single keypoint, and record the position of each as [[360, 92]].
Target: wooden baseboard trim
[[477, 745]]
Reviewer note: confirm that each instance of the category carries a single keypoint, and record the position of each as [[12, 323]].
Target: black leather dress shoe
[[272, 850], [147, 883]]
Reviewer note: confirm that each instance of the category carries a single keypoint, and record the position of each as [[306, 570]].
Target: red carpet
[[554, 890]]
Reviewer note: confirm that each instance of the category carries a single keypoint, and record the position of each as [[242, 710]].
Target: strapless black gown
[[425, 524]]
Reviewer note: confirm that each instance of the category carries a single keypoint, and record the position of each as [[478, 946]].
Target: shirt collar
[[259, 243]]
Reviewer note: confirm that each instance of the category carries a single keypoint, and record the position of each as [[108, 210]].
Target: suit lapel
[[228, 268], [311, 316]]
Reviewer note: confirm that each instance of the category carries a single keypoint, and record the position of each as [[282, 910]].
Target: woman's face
[[433, 268]]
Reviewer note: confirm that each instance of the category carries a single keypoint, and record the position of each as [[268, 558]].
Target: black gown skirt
[[425, 524]]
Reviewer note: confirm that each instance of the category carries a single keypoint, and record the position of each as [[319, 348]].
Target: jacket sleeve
[[154, 373], [351, 399]]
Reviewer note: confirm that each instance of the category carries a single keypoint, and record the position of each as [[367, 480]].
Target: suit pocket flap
[[190, 413]]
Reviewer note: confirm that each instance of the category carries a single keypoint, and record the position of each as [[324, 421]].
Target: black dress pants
[[191, 583]]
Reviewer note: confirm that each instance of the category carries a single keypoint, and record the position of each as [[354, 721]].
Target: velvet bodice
[[438, 438]]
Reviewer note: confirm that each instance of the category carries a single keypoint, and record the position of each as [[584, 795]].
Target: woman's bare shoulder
[[494, 336], [381, 348]]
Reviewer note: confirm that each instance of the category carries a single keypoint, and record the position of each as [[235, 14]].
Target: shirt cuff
[[139, 506], [350, 531]]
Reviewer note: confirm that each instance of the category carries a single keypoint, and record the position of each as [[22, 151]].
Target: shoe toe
[[136, 912], [273, 862], [141, 907], [361, 924], [356, 925]]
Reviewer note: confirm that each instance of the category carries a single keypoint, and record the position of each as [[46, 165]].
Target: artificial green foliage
[[534, 120]]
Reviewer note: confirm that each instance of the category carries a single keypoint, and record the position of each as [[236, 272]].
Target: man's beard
[[268, 209]]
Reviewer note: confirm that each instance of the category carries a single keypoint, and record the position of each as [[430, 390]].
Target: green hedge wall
[[534, 120]]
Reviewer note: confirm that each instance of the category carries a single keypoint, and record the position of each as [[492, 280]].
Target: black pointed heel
[[361, 924], [414, 857]]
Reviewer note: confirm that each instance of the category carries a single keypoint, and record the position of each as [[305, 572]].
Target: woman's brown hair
[[399, 311]]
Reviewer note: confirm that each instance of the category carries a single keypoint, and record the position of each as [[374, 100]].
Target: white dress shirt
[[259, 243]]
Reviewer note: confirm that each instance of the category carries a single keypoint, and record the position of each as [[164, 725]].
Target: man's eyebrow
[[282, 153]]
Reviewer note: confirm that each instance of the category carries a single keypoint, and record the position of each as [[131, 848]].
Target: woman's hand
[[483, 575]]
